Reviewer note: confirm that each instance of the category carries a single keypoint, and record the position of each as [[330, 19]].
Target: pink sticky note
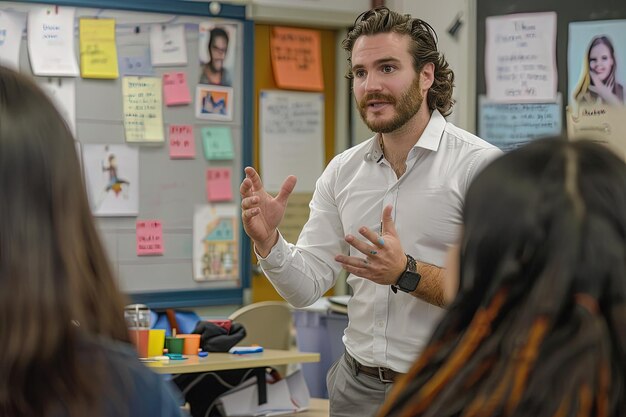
[[182, 142], [175, 89], [218, 187], [149, 237]]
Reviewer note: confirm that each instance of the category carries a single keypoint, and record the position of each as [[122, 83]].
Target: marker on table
[[242, 350]]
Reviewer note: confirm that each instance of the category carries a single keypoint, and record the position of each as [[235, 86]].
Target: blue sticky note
[[510, 125], [136, 64], [218, 143]]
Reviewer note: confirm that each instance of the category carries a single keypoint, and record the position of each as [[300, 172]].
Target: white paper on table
[[12, 26], [51, 41], [520, 58], [287, 396], [292, 138], [167, 45], [62, 91]]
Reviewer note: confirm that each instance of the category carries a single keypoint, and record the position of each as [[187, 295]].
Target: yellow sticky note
[[143, 109], [98, 53]]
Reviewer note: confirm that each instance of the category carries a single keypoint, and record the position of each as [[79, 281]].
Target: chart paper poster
[[520, 58], [11, 28], [143, 109], [296, 58], [51, 41], [112, 177], [511, 125], [98, 53], [215, 243], [292, 132]]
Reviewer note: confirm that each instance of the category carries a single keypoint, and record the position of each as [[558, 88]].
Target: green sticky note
[[218, 143]]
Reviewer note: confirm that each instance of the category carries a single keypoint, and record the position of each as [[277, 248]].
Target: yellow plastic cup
[[156, 341]]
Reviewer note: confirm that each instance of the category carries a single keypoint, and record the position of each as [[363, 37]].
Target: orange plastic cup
[[192, 343]]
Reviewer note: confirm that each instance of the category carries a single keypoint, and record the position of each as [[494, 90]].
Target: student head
[[539, 322], [415, 74], [218, 47], [56, 285]]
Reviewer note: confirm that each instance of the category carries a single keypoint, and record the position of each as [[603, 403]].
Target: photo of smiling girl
[[598, 83]]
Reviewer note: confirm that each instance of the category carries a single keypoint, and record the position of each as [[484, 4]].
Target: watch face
[[408, 281]]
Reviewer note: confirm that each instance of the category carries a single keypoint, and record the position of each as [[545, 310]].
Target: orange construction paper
[[296, 58]]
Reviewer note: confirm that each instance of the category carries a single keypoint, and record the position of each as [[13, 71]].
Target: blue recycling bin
[[319, 330]]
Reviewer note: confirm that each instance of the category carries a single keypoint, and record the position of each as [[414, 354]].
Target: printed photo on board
[[214, 102], [597, 63], [217, 53]]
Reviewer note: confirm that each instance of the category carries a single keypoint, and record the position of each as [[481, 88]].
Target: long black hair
[[538, 327]]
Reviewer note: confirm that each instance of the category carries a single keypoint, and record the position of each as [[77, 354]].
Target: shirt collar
[[430, 139]]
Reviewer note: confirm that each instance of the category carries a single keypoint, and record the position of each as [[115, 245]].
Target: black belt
[[384, 375]]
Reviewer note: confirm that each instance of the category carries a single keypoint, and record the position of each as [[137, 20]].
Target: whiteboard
[[292, 138]]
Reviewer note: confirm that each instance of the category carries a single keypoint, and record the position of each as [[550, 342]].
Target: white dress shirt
[[385, 329]]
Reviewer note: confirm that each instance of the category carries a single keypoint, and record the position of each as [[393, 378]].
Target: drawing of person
[[598, 84], [214, 72], [115, 183]]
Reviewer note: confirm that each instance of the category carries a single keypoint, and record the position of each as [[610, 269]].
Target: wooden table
[[226, 361]]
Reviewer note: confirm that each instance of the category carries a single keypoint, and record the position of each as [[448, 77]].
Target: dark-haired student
[[65, 349], [538, 327]]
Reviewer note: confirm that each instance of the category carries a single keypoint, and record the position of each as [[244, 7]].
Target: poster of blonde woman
[[215, 243], [596, 78]]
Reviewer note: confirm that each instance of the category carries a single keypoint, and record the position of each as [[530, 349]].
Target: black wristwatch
[[409, 279]]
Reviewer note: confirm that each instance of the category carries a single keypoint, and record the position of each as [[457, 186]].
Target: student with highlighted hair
[[538, 327]]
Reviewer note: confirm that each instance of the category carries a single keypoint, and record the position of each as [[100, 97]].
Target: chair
[[268, 324]]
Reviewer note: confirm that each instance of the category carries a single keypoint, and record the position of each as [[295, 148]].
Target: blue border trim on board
[[248, 132], [199, 297], [189, 298], [227, 11]]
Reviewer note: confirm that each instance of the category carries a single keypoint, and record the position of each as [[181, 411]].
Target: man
[[213, 72], [412, 174]]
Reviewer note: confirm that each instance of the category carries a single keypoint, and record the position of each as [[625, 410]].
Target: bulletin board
[[169, 190], [567, 11]]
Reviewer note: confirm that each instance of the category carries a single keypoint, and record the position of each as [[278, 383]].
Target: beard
[[406, 107]]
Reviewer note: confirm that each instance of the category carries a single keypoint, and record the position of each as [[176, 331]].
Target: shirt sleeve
[[481, 159], [302, 273]]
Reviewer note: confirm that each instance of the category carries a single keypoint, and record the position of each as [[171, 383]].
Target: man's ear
[[427, 75]]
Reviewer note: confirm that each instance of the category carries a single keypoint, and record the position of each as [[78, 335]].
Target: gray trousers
[[354, 395]]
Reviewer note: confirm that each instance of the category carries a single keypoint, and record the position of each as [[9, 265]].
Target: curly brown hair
[[423, 49]]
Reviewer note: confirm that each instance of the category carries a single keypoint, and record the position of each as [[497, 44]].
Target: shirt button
[[380, 324]]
